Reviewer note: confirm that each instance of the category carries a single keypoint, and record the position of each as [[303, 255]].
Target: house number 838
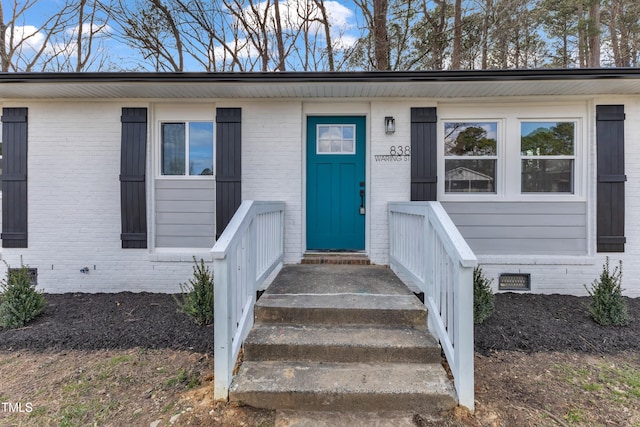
[[399, 150]]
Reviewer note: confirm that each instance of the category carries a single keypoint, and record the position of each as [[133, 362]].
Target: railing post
[[223, 333], [463, 333], [445, 274], [237, 278]]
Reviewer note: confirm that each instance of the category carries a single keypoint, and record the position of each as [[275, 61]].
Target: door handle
[[362, 209]]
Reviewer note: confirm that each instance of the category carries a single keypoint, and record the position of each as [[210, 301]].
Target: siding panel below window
[[185, 213], [522, 228], [14, 178]]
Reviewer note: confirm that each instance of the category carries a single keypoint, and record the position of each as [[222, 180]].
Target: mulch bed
[[537, 323], [522, 322], [110, 321]]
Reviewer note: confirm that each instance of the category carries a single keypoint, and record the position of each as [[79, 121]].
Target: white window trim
[[335, 153], [160, 175], [499, 141], [176, 113], [574, 157], [509, 164]]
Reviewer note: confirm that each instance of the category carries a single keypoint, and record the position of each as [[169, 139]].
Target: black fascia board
[[325, 76]]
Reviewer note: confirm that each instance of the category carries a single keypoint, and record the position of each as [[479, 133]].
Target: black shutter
[[228, 165], [14, 178], [611, 178], [424, 154], [133, 160]]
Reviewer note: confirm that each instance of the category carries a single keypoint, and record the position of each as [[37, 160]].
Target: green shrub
[[608, 306], [197, 295], [482, 296], [20, 302]]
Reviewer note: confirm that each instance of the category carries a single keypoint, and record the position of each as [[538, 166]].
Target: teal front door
[[335, 183]]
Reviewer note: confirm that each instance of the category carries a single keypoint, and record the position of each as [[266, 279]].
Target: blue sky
[[343, 19]]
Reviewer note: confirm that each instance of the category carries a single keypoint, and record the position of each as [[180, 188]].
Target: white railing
[[426, 248], [248, 251]]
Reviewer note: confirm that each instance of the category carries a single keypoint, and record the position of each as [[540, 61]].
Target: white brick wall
[[389, 181], [74, 205], [272, 163], [74, 195]]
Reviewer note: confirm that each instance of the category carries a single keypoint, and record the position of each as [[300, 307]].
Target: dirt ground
[[133, 360]]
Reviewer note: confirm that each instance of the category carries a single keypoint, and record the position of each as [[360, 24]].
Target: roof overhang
[[376, 84]]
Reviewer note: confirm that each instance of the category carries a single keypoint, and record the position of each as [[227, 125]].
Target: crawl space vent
[[33, 274], [514, 282]]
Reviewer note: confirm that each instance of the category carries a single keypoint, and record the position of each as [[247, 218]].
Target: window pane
[[547, 175], [470, 139], [547, 138], [173, 149], [470, 176], [201, 148], [335, 139]]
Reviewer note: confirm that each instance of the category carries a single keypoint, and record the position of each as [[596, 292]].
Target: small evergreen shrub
[[608, 306], [197, 295], [20, 302], [482, 296]]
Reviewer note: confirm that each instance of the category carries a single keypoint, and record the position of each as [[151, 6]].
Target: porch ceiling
[[434, 84]]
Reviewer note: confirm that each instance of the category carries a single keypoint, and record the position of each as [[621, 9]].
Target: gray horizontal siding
[[522, 228], [185, 213]]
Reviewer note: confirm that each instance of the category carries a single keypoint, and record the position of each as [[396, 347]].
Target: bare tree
[[436, 41], [214, 36], [622, 19], [26, 48], [149, 27], [486, 25], [380, 35], [323, 19], [594, 33], [277, 23], [81, 46], [456, 57]]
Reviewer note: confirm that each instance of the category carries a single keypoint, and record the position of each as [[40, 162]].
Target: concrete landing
[[339, 295], [337, 279]]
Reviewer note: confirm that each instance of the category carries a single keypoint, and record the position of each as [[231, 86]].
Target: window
[[336, 139], [186, 148], [470, 150], [547, 152]]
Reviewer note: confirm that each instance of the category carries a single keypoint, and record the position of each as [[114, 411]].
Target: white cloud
[[293, 13], [339, 15], [344, 42], [241, 47], [33, 39], [87, 29]]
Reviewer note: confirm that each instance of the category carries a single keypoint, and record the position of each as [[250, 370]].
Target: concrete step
[[341, 309], [341, 344], [290, 418], [335, 258], [366, 387], [338, 295]]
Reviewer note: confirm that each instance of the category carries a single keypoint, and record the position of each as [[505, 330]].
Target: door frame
[[359, 109]]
